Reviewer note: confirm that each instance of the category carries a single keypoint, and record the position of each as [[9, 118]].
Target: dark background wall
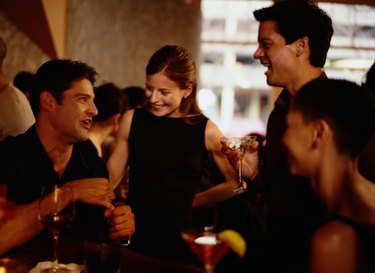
[[116, 37]]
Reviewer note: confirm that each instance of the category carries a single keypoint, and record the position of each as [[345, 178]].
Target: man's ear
[[302, 45], [47, 101]]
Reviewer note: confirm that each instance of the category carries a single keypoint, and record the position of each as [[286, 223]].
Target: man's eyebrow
[[84, 95]]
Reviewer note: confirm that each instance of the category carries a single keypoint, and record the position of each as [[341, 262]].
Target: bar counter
[[131, 262]]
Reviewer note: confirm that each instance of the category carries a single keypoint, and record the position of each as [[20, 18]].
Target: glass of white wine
[[56, 211]]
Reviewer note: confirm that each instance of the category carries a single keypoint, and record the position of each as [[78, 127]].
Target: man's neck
[[303, 78], [58, 151], [60, 158]]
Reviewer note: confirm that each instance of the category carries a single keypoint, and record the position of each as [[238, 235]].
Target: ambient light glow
[[206, 240]]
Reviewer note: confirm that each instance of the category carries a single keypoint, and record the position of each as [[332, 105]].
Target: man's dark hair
[[56, 76], [298, 18]]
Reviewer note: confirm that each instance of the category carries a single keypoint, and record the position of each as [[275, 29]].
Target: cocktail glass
[[56, 210], [239, 144], [206, 244]]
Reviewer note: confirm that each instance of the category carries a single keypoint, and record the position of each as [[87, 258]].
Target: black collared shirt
[[25, 167], [294, 211]]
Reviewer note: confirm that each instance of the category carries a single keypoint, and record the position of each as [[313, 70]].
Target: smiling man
[[293, 41], [56, 150]]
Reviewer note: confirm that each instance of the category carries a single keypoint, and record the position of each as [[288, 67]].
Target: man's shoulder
[[18, 144], [11, 142], [9, 148], [86, 153], [87, 149], [86, 145]]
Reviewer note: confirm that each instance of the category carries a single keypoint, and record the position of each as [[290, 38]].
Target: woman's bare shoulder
[[334, 235]]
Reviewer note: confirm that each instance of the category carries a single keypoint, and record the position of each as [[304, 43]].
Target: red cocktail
[[206, 244]]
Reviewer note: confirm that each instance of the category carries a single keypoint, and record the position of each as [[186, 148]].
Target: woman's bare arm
[[224, 190], [118, 161]]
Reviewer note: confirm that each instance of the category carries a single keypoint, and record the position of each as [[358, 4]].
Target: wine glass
[[56, 210], [206, 244], [240, 144]]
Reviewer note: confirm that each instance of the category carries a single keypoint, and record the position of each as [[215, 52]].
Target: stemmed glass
[[240, 144], [56, 210], [206, 244]]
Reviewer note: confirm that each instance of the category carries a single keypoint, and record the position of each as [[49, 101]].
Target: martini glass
[[206, 244], [239, 144], [56, 210]]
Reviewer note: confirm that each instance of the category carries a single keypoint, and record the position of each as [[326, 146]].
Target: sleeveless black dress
[[166, 161]]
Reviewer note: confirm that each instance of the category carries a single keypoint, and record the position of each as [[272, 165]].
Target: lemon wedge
[[235, 241]]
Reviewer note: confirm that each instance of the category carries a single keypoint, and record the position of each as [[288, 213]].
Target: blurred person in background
[[23, 81], [16, 115], [111, 104], [135, 96]]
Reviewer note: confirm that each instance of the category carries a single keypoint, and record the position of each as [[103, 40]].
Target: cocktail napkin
[[74, 268]]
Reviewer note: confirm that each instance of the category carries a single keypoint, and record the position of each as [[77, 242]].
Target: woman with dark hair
[[165, 144], [324, 140]]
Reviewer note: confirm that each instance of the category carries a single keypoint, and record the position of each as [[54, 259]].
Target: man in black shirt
[[55, 150], [293, 41]]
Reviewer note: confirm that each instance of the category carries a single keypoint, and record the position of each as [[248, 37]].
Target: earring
[[185, 97]]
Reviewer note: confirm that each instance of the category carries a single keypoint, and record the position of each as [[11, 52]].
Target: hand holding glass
[[240, 145], [56, 210], [121, 201]]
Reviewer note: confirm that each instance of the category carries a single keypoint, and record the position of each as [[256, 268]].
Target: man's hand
[[94, 191], [121, 221], [250, 161]]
